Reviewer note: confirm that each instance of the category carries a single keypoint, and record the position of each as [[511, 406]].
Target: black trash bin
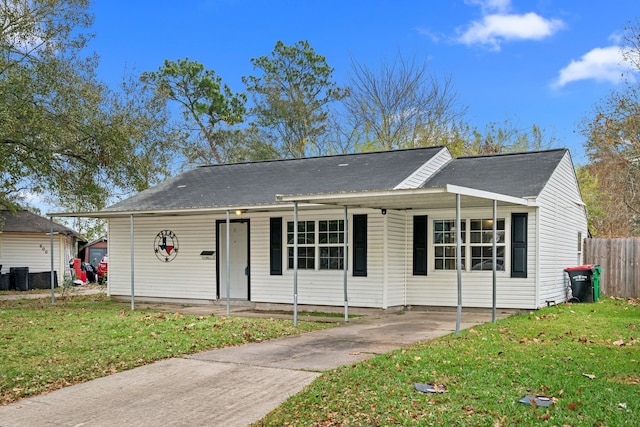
[[581, 278], [5, 281], [20, 277]]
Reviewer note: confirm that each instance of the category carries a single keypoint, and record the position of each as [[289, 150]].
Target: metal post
[[53, 296], [458, 262], [228, 263], [495, 257], [345, 262], [131, 243], [295, 264]]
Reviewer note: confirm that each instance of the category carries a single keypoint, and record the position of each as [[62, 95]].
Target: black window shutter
[[519, 244], [420, 225], [275, 246], [359, 245]]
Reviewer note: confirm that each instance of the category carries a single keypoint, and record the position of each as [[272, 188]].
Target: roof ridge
[[477, 156], [324, 156]]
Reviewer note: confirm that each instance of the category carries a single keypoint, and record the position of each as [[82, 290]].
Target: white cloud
[[498, 25], [604, 64], [497, 28]]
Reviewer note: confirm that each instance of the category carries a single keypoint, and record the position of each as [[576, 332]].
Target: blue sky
[[545, 62]]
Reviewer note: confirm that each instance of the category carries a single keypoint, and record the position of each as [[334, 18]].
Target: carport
[[409, 199]]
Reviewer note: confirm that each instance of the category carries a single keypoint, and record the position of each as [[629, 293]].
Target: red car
[[103, 268]]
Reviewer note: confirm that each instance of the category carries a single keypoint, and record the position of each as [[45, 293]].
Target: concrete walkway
[[232, 386]]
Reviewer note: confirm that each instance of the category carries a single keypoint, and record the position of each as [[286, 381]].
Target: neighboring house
[[25, 241], [93, 252], [401, 231]]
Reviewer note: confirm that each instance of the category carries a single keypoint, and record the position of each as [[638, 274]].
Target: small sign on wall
[[208, 254]]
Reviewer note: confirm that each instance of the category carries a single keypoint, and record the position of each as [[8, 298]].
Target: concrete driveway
[[232, 386]]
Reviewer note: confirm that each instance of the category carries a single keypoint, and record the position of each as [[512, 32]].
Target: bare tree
[[400, 105]]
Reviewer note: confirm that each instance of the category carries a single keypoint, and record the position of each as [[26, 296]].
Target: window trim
[[317, 246], [466, 244]]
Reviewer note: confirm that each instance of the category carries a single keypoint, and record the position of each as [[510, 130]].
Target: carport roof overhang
[[399, 199], [413, 198]]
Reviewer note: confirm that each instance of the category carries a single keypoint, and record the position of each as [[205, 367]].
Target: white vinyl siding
[[188, 276], [33, 250], [439, 288], [317, 287], [562, 217]]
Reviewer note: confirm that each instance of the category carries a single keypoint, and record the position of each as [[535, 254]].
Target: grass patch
[[584, 356], [45, 347]]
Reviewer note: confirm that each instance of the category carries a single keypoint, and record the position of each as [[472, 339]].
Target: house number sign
[[165, 246]]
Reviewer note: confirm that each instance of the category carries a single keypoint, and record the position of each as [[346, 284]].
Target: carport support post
[[53, 297], [458, 263], [345, 262], [295, 264], [495, 257], [131, 242], [228, 263]]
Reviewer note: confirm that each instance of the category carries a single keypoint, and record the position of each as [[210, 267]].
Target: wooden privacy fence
[[620, 262]]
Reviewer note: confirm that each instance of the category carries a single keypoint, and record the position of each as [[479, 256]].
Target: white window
[[322, 239], [476, 244], [444, 242], [481, 244]]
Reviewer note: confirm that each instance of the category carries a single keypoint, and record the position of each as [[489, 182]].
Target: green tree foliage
[[612, 133], [401, 105], [291, 98], [62, 133], [594, 199], [505, 137], [209, 109]]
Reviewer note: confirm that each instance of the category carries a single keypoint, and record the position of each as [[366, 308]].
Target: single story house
[[408, 225], [25, 241]]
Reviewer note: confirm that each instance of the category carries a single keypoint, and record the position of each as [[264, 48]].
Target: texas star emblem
[[165, 245]]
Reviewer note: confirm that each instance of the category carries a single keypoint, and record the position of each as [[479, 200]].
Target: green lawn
[[45, 347], [586, 357]]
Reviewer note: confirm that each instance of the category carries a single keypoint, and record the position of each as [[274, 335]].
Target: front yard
[[584, 357], [45, 347]]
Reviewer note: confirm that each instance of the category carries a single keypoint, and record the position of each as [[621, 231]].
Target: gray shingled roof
[[27, 222], [514, 174], [257, 183]]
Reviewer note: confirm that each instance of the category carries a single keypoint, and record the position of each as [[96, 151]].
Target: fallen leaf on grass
[[572, 406], [590, 376], [618, 343]]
